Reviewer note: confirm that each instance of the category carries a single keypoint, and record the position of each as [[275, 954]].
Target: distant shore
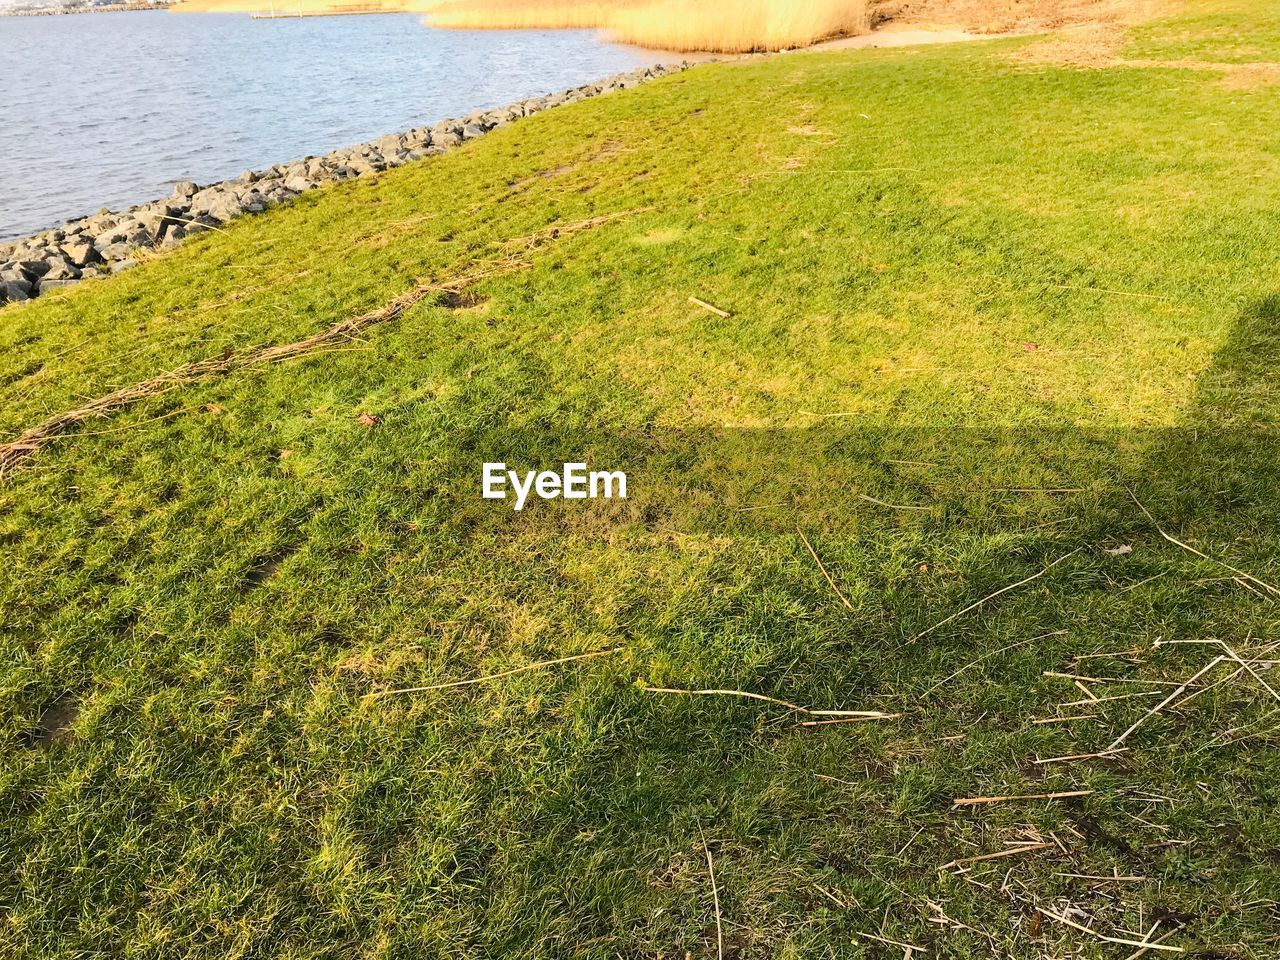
[[83, 8]]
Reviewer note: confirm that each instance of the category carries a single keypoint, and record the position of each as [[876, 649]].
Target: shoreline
[[108, 242], [69, 11]]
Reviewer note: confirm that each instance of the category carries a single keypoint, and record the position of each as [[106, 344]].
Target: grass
[[719, 25], [953, 278]]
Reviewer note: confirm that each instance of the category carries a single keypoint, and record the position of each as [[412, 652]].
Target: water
[[109, 109]]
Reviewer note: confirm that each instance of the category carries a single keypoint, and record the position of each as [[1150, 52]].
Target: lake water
[[107, 110]]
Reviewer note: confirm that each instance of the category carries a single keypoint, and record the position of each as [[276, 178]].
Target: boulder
[[60, 268], [155, 218], [123, 265], [392, 143], [48, 286], [80, 252], [32, 269], [117, 251], [173, 236], [15, 290], [185, 189], [298, 183], [198, 223]]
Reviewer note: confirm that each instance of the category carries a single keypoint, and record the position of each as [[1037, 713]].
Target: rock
[[14, 291], [32, 269], [199, 222], [60, 268], [298, 183], [80, 252], [155, 218], [123, 265], [392, 143], [185, 189], [221, 204], [173, 236], [117, 251], [48, 286]]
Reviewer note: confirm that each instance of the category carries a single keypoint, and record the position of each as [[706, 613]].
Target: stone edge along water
[[107, 242]]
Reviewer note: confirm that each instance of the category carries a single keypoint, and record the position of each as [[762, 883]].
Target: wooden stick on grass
[[1273, 590], [715, 894], [994, 653], [706, 306], [1080, 756], [494, 676], [1151, 943], [999, 854], [977, 801], [992, 596], [1145, 944], [859, 714], [869, 716], [1166, 701], [816, 559], [892, 506]]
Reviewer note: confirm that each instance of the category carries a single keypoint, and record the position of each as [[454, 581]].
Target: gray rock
[[14, 291], [155, 218], [48, 286], [185, 189], [32, 269], [117, 251], [60, 268], [198, 223], [120, 265], [298, 183], [80, 252], [173, 236]]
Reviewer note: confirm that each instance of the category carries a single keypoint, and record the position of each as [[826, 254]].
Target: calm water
[[109, 109]]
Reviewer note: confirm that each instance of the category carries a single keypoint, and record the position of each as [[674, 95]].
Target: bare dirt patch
[[55, 722]]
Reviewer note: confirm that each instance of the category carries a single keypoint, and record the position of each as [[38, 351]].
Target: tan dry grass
[[725, 26]]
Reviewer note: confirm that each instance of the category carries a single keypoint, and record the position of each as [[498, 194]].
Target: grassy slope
[[901, 237]]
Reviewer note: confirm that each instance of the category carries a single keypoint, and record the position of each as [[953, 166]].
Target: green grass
[[912, 244]]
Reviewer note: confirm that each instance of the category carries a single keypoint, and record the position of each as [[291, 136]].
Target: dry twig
[[859, 714], [1145, 944], [706, 306], [493, 676], [816, 559], [976, 801], [1166, 701], [1275, 591], [992, 596], [715, 895], [998, 855]]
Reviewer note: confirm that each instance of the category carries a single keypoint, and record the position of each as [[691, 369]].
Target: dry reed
[[722, 26]]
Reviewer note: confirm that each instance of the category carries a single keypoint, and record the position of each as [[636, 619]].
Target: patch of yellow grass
[[727, 26]]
